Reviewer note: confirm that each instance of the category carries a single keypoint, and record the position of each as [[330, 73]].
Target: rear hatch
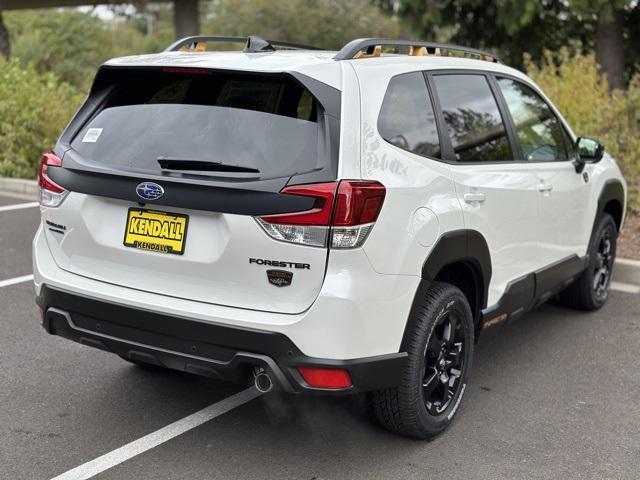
[[169, 168]]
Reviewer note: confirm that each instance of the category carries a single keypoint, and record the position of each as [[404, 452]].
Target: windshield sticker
[[92, 135]]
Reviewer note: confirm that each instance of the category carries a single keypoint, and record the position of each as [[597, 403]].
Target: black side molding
[[535, 288]]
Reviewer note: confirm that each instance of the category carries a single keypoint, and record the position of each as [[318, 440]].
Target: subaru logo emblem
[[149, 191]]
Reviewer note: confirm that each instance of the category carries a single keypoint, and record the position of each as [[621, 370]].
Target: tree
[[5, 43], [514, 27], [509, 26], [609, 43], [325, 23]]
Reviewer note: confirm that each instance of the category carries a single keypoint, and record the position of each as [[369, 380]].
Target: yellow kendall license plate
[[162, 232]]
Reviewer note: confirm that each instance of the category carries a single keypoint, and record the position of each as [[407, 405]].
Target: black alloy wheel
[[443, 364], [603, 264]]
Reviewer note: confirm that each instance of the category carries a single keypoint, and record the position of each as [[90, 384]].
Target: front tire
[[591, 290], [440, 350]]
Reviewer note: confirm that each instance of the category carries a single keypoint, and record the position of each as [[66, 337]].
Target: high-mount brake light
[[187, 70], [51, 194], [342, 215]]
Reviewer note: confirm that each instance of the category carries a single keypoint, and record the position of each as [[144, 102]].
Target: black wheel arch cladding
[[612, 201], [459, 246]]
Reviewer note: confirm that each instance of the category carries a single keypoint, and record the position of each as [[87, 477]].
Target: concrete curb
[[629, 262], [19, 187]]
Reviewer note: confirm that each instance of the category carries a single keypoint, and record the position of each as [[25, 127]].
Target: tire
[[443, 321], [588, 292]]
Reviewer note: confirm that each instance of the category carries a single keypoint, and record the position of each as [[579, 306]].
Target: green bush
[[34, 109], [581, 93]]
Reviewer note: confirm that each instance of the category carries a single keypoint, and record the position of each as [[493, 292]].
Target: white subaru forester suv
[[319, 222]]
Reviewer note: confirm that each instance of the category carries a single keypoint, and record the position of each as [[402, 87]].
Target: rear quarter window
[[406, 117]]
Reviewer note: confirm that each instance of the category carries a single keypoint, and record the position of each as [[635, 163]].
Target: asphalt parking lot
[[554, 394]]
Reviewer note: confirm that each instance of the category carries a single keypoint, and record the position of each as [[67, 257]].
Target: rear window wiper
[[183, 164]]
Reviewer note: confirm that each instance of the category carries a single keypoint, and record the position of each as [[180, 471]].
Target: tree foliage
[[325, 23], [515, 27], [580, 92], [72, 44]]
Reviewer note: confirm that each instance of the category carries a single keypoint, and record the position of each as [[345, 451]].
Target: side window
[[406, 118], [473, 119], [540, 133]]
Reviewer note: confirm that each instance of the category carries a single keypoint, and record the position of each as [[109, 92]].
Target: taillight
[[51, 194], [342, 215], [332, 378], [358, 204]]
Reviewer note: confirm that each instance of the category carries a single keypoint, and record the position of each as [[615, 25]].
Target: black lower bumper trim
[[213, 350]]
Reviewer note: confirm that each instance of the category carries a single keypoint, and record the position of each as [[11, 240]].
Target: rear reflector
[[51, 194], [342, 215], [331, 378]]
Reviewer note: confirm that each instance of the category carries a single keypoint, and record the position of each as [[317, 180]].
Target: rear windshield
[[204, 122]]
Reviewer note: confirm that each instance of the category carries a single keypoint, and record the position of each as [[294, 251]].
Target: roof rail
[[252, 44], [354, 47]]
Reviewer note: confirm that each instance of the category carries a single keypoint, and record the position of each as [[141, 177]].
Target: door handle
[[474, 197], [545, 187]]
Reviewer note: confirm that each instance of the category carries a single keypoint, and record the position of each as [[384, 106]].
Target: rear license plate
[[156, 231]]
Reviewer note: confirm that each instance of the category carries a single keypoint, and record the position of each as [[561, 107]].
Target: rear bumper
[[218, 351]]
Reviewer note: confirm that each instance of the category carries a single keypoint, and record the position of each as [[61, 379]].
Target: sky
[[104, 12]]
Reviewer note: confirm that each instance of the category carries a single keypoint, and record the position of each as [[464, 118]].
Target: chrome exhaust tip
[[262, 381]]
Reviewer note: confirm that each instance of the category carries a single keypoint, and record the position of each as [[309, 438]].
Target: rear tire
[[591, 290], [440, 350]]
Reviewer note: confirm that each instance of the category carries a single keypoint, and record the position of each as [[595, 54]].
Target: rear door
[[169, 173], [499, 197]]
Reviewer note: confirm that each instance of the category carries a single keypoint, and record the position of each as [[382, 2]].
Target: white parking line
[[624, 287], [13, 281], [18, 206], [130, 450]]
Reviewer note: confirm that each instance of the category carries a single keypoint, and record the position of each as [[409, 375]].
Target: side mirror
[[588, 150]]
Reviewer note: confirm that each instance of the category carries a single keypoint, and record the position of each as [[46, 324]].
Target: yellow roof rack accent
[[368, 47]]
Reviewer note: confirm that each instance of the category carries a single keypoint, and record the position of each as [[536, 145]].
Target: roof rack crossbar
[[252, 44], [351, 49]]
